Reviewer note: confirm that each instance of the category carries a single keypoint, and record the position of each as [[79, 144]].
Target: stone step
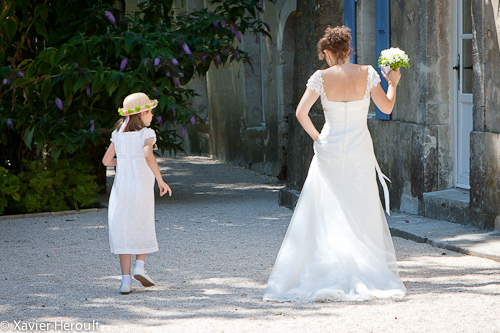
[[449, 205]]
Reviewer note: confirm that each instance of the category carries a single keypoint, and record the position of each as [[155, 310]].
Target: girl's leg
[[125, 263], [139, 272], [125, 287], [139, 261]]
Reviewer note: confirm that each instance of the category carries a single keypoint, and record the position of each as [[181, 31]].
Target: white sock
[[127, 279], [139, 264]]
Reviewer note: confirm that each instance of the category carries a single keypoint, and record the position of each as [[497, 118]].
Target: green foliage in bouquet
[[394, 57]]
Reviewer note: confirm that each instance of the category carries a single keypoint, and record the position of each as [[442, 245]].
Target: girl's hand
[[164, 188], [393, 77]]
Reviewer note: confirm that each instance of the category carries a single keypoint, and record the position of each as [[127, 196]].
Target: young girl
[[131, 202]]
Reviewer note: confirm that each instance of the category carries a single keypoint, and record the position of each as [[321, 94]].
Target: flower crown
[[138, 109]]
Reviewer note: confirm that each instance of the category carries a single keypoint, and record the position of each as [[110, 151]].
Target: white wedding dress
[[338, 246]]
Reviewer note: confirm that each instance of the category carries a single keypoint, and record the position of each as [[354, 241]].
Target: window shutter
[[382, 42], [350, 22]]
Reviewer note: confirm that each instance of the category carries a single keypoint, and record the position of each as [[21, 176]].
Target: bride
[[338, 246]]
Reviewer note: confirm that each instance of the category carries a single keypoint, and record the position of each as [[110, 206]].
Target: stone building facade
[[441, 145]]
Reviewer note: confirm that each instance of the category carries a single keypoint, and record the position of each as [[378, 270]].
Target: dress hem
[[135, 252]]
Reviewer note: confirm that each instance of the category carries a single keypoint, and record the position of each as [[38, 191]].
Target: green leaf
[[45, 90], [79, 83], [16, 196], [10, 27], [40, 29], [28, 137]]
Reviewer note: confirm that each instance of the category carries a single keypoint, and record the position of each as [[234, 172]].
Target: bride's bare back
[[345, 83]]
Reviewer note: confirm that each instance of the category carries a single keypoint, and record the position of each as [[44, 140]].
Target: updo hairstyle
[[336, 40]]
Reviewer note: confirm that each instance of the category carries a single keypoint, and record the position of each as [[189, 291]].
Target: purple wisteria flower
[[110, 17], [92, 126], [204, 59], [75, 64], [123, 64], [215, 24], [168, 73], [223, 23], [88, 91], [237, 54], [21, 74], [238, 35], [217, 57], [176, 81], [159, 119], [157, 61], [9, 123], [186, 49], [232, 28], [59, 103], [183, 131], [181, 74], [193, 120], [175, 62], [268, 28], [62, 120], [5, 81]]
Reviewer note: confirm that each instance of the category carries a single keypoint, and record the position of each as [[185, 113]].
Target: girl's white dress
[[131, 214], [338, 246]]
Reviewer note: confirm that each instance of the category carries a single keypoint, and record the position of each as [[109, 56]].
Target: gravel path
[[219, 235]]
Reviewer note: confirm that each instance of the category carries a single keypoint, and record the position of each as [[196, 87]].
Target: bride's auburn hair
[[336, 40]]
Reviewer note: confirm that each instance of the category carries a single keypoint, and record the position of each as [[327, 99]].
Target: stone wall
[[415, 148], [485, 137], [243, 104], [313, 17]]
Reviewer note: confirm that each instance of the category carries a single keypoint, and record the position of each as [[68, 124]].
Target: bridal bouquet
[[393, 58]]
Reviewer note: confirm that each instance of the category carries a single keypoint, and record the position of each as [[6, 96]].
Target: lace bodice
[[315, 83]]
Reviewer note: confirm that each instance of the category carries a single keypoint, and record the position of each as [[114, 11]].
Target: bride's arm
[[385, 102], [305, 104]]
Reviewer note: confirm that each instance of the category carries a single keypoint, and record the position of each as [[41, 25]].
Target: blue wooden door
[[350, 22], [382, 41]]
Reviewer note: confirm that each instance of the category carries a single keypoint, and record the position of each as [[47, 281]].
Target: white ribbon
[[125, 122], [381, 177]]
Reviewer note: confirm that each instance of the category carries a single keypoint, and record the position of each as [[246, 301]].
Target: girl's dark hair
[[337, 41], [134, 124]]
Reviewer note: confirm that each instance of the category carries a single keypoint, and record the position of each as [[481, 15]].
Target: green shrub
[[9, 187], [55, 186]]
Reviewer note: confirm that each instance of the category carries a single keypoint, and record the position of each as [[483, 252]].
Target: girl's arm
[[385, 102], [306, 102], [153, 165], [109, 158]]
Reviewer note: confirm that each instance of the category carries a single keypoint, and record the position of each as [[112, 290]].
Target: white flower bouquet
[[393, 58]]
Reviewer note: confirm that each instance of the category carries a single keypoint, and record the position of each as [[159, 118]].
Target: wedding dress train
[[338, 246]]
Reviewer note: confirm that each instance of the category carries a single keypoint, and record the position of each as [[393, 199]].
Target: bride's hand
[[393, 77]]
